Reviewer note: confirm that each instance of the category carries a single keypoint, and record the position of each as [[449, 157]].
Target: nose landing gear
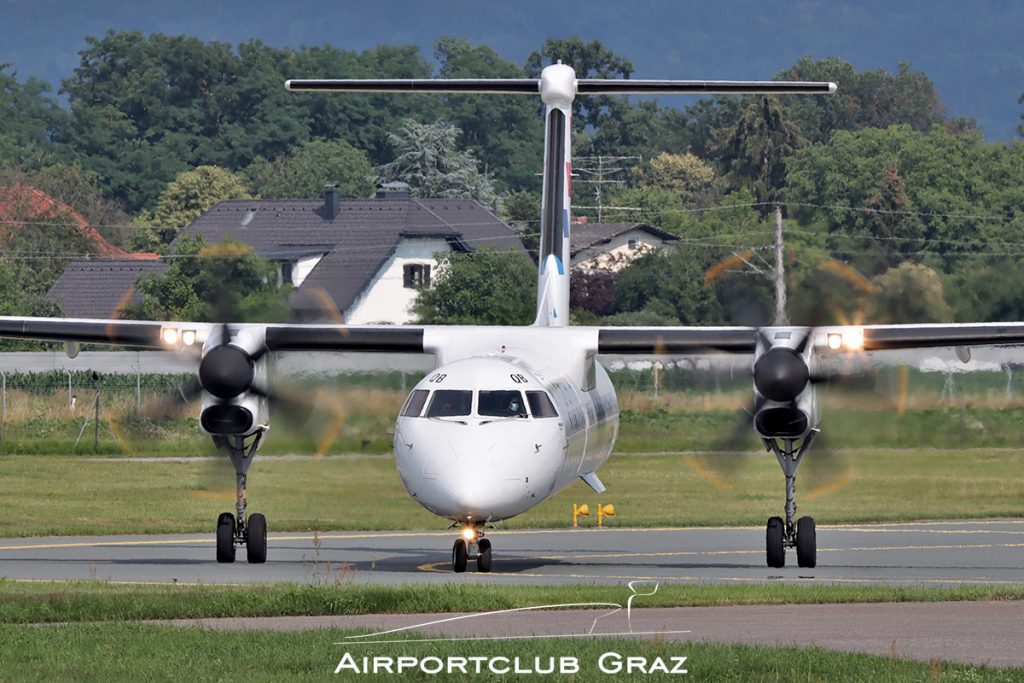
[[472, 539]]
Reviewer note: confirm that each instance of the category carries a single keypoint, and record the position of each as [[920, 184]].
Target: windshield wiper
[[503, 419], [447, 418]]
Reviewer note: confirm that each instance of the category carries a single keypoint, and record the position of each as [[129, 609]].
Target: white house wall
[[304, 266], [616, 254], [385, 299]]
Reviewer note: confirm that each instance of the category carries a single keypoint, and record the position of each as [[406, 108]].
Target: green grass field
[[134, 652], [137, 652], [78, 495], [963, 463], [98, 632], [97, 601]]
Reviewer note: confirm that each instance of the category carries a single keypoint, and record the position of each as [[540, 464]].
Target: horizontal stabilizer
[[513, 86], [584, 86], [601, 86]]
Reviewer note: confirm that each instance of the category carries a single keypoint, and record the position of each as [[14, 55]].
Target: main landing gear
[[236, 529], [801, 534], [462, 552]]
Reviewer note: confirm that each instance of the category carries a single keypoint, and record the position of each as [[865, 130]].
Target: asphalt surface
[[945, 553], [969, 632]]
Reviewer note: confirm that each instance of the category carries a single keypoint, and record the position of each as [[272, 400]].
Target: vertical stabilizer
[[557, 90], [558, 87]]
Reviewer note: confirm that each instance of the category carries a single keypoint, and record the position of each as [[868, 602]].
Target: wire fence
[[64, 411]]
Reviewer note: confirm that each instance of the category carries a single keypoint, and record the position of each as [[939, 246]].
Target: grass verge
[[154, 653], [91, 601], [78, 496]]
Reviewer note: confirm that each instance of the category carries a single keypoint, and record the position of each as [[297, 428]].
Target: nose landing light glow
[[469, 533]]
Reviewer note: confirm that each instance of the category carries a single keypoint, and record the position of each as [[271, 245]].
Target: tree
[[37, 244], [521, 210], [758, 149], [314, 164], [213, 283], [894, 230], [593, 290], [1020, 126], [669, 282], [483, 287], [909, 293], [642, 129], [31, 119], [865, 99], [145, 108], [504, 133], [79, 188], [682, 174], [427, 158], [190, 195], [989, 291], [950, 181]]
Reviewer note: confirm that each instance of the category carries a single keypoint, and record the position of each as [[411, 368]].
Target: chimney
[[394, 190], [332, 202]]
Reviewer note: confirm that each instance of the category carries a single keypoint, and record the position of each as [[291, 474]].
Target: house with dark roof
[[101, 288], [363, 258], [614, 246]]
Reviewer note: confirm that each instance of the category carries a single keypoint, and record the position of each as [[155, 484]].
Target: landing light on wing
[[849, 339], [853, 339], [170, 336]]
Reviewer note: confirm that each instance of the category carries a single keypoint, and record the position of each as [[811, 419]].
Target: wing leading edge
[[169, 335], [406, 339], [691, 340]]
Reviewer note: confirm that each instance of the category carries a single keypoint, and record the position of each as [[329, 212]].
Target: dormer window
[[416, 276], [286, 272]]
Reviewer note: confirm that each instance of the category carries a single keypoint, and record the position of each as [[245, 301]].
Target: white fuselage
[[464, 454]]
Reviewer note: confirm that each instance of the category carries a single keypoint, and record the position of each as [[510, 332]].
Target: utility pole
[[597, 172], [752, 262], [779, 274]]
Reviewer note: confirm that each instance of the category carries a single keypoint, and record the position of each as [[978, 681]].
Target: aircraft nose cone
[[469, 489], [485, 480]]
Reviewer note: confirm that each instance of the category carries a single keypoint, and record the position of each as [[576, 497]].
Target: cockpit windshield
[[540, 404], [414, 404], [450, 403], [501, 404]]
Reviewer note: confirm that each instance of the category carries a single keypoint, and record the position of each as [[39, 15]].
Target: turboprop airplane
[[513, 415]]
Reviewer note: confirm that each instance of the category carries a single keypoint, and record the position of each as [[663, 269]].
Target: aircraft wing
[[409, 339], [172, 335], [694, 340]]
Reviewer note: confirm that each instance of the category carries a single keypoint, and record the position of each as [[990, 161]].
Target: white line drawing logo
[[376, 637]]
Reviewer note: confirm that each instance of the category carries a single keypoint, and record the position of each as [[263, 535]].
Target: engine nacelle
[[785, 396], [233, 374]]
